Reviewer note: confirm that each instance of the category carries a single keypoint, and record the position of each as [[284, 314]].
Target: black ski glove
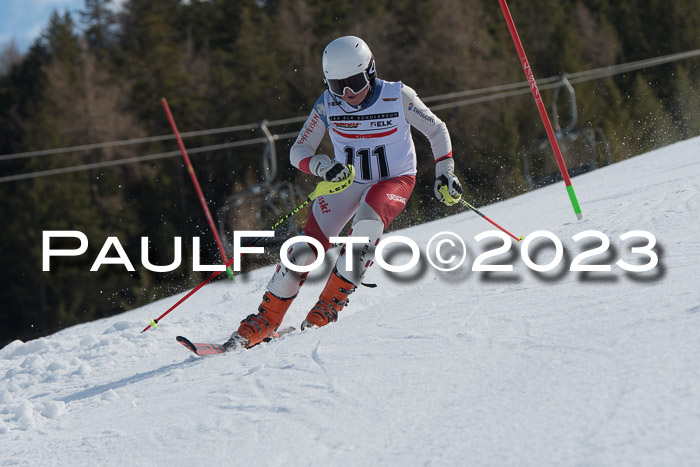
[[329, 170], [444, 174]]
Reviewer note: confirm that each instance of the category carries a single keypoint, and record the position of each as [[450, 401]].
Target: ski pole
[[464, 203], [154, 322], [323, 188], [451, 200], [197, 188], [540, 106]]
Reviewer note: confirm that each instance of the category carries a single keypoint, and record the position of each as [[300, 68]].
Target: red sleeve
[[448, 156], [304, 165]]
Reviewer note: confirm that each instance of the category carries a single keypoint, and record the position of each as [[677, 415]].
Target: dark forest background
[[98, 77]]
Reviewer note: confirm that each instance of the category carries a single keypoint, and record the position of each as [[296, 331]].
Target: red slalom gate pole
[[540, 106], [193, 176]]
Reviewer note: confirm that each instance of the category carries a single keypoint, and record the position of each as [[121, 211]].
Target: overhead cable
[[475, 96]]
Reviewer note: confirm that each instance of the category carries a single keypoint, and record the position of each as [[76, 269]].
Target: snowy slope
[[429, 368]]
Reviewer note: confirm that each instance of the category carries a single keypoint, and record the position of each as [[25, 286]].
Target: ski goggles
[[356, 83]]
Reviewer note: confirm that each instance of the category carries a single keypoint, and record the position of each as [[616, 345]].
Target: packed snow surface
[[430, 368]]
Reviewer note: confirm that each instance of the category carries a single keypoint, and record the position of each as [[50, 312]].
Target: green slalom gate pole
[[323, 188], [540, 106]]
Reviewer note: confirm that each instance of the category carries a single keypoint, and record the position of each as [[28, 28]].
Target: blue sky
[[24, 20]]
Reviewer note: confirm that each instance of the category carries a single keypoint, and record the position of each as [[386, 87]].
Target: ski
[[199, 348], [202, 349]]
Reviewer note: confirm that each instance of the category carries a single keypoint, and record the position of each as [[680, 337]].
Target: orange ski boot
[[261, 327], [333, 298]]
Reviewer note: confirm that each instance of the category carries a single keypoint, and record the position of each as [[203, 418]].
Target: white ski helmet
[[348, 63]]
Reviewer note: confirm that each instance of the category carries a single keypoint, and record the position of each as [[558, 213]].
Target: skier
[[369, 121]]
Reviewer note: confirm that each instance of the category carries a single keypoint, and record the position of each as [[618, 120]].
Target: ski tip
[[186, 342]]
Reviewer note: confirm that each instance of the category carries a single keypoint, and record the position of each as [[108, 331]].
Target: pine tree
[[653, 125], [686, 102], [152, 60], [99, 21]]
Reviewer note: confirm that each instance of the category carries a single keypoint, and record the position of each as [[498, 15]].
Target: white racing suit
[[376, 139]]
